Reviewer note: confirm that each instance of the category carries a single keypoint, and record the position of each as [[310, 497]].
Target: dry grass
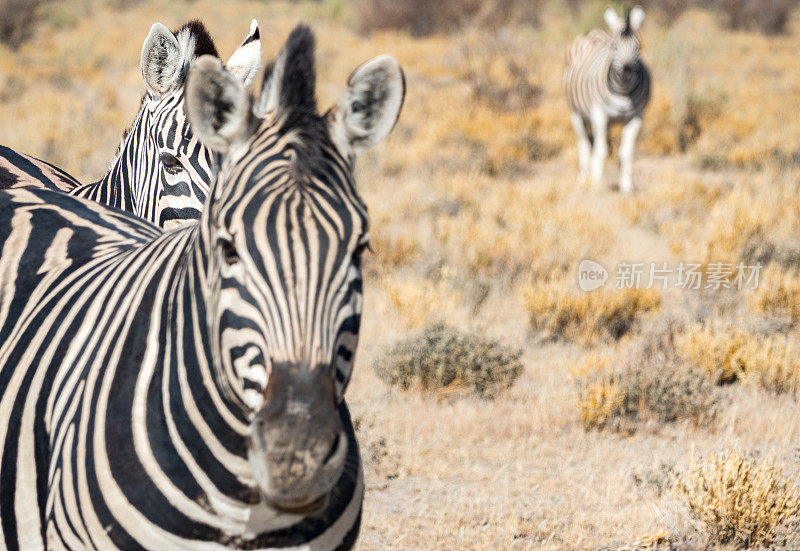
[[739, 501], [644, 380], [587, 317], [778, 295], [722, 354], [478, 223], [727, 355]]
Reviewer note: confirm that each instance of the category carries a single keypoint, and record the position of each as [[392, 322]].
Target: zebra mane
[[195, 40], [290, 81]]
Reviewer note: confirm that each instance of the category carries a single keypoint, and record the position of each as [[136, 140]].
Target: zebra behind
[[185, 389], [161, 172], [607, 83]]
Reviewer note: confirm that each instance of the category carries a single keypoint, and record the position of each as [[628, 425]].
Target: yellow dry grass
[[737, 500], [478, 222], [778, 295], [587, 317], [728, 355]]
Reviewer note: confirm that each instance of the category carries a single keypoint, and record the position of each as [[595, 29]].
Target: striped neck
[[122, 187]]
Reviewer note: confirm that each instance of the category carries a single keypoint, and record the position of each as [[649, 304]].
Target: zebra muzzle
[[297, 445]]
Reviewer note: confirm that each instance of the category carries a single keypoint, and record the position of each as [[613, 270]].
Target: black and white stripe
[[161, 172], [184, 389], [607, 83]]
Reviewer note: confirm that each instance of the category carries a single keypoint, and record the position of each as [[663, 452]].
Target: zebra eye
[[363, 245], [171, 163], [228, 252]]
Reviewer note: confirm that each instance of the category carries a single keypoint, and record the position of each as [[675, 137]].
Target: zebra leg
[[584, 146], [599, 131], [629, 133]]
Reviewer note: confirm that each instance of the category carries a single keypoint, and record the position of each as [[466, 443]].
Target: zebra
[[160, 171], [606, 83], [184, 389]]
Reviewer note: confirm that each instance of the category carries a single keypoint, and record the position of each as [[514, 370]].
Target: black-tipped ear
[[246, 61], [161, 61], [217, 104], [290, 82], [370, 107]]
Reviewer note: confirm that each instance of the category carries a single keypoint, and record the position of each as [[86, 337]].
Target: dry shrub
[[498, 75], [17, 19], [423, 17], [587, 317], [773, 364], [650, 382], [735, 500], [446, 361], [778, 295], [728, 355], [719, 353], [768, 16]]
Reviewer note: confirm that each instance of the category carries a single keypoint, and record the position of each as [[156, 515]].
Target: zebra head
[[282, 236], [172, 170], [625, 41]]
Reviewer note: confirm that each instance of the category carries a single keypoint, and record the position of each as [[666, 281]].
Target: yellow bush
[[717, 352], [777, 295], [587, 317], [773, 363], [599, 402], [737, 501]]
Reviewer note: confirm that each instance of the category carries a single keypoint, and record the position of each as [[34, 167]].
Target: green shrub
[[446, 361]]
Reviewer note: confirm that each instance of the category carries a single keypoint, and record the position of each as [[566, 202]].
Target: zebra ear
[[289, 85], [613, 20], [246, 61], [217, 104], [161, 61], [370, 106], [636, 18]]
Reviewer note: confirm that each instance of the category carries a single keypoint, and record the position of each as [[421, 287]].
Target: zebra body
[[607, 83], [184, 389], [19, 169], [161, 172]]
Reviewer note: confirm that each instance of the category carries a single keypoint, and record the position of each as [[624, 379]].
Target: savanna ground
[[478, 223]]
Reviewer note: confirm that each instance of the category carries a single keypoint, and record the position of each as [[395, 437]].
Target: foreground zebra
[[606, 83], [160, 172], [184, 390]]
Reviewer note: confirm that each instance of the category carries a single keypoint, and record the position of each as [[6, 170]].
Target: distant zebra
[[160, 172], [607, 82], [184, 390]]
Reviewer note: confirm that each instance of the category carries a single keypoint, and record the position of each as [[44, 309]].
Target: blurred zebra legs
[[629, 133]]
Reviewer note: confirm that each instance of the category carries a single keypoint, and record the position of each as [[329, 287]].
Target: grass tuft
[[587, 318], [445, 361], [738, 501]]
